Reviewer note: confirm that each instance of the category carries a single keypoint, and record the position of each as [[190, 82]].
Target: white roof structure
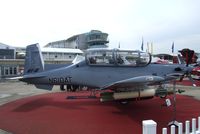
[[4, 46], [171, 54], [61, 50]]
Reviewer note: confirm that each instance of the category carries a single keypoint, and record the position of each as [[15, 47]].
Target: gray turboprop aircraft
[[127, 74]]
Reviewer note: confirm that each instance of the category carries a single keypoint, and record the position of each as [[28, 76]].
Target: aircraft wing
[[139, 81]]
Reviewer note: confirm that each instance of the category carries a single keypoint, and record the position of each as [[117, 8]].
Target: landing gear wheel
[[163, 96], [62, 87]]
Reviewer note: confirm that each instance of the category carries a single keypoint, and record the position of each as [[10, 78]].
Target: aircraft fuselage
[[98, 76]]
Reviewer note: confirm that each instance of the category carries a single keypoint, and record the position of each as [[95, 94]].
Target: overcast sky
[[162, 22]]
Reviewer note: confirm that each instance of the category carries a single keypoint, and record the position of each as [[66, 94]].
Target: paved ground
[[13, 90], [190, 91]]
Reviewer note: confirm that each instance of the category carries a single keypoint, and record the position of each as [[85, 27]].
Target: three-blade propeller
[[188, 54]]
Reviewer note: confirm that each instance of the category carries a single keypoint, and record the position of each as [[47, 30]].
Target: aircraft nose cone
[[188, 69]]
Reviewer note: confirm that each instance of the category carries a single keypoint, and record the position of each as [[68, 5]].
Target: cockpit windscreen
[[115, 57]]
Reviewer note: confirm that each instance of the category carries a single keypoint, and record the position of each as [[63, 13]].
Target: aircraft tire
[[124, 102], [163, 96], [62, 87]]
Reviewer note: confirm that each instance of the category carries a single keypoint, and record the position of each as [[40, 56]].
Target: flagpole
[[147, 47], [173, 51], [152, 48], [173, 47], [142, 46], [119, 45]]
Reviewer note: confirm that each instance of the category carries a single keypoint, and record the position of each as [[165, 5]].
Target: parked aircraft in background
[[196, 73], [157, 60], [127, 74]]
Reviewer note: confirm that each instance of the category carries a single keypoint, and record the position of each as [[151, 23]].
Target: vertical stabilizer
[[34, 61]]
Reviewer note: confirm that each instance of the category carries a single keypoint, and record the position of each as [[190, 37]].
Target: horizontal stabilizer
[[46, 87], [33, 76], [14, 78], [27, 78]]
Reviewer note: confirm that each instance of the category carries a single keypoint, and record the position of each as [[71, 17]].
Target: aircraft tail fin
[[34, 61]]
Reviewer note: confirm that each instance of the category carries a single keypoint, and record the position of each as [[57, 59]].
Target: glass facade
[[7, 54]]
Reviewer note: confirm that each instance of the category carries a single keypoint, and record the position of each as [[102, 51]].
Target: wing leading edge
[[135, 81]]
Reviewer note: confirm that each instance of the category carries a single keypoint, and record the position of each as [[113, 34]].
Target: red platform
[[53, 114]]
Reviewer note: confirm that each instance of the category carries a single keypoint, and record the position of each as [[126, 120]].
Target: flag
[[119, 45], [142, 46], [147, 47], [151, 47], [173, 47]]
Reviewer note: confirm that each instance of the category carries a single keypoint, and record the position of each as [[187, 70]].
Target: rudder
[[34, 61]]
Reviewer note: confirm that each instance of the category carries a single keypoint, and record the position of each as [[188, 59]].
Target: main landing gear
[[174, 122]]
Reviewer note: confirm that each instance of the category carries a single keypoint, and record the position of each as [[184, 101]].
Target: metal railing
[[150, 127]]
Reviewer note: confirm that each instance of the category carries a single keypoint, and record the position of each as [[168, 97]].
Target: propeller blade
[[180, 59], [188, 55]]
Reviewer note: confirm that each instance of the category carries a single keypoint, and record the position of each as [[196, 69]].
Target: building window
[[6, 70], [11, 70], [15, 70], [98, 36]]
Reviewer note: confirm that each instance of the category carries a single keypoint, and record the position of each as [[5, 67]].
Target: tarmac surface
[[14, 90]]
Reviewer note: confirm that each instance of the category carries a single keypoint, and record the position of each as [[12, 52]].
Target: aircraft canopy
[[115, 57]]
